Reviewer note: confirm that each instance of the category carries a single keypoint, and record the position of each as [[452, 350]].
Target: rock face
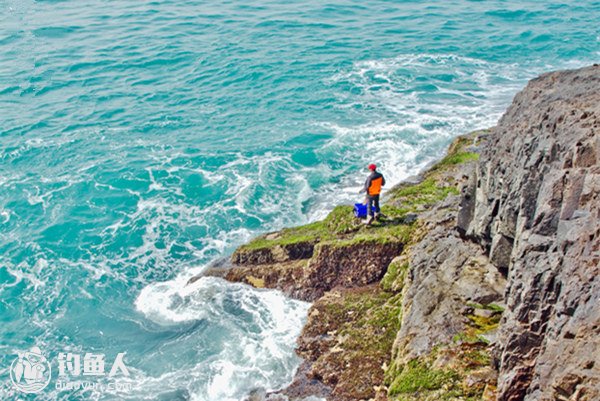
[[328, 265], [446, 274], [451, 301], [537, 213], [350, 266]]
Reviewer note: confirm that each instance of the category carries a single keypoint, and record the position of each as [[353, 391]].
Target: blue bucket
[[360, 210]]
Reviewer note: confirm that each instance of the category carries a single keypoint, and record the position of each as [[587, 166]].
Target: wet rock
[[286, 276], [305, 386], [347, 341], [274, 254], [218, 268], [257, 395]]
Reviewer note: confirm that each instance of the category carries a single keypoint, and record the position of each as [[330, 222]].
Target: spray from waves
[[218, 342], [253, 331]]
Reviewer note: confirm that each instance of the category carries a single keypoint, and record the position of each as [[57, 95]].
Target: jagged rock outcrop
[[533, 206], [452, 299], [537, 212], [332, 264], [445, 275]]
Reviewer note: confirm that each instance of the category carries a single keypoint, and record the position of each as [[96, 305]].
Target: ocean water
[[139, 141]]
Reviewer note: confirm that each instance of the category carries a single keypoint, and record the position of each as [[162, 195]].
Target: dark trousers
[[373, 204]]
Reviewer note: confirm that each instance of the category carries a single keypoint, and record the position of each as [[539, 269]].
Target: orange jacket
[[374, 183]]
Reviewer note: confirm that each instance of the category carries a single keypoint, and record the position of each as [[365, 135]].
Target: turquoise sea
[[141, 140]]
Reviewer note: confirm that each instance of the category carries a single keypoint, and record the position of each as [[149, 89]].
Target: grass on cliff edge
[[439, 181], [340, 227], [341, 224], [425, 193]]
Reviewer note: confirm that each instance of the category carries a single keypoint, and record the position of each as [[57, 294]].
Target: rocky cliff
[[481, 283], [536, 212]]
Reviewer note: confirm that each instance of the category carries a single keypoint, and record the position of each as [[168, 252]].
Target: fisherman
[[372, 188]]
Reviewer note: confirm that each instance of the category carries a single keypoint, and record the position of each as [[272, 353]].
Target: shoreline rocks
[[482, 281]]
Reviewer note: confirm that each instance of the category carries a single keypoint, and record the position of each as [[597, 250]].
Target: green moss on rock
[[419, 376], [378, 314], [469, 337], [339, 227], [395, 275], [340, 221], [448, 373], [460, 370], [477, 358], [479, 325], [458, 158], [425, 193], [483, 324]]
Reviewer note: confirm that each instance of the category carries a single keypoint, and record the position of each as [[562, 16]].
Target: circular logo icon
[[30, 372]]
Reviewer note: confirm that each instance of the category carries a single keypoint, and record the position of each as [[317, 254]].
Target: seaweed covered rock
[[347, 340]]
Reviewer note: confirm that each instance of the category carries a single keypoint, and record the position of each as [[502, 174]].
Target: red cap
[[372, 167]]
